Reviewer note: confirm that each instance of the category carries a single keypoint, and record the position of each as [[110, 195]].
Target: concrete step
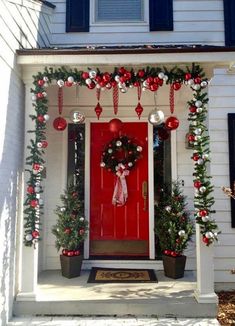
[[57, 295]]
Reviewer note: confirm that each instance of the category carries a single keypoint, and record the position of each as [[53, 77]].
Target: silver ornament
[[197, 131], [130, 164], [45, 78], [198, 104], [37, 189], [139, 149], [200, 161], [209, 235], [81, 219], [205, 218], [88, 81], [190, 82], [145, 83], [62, 209], [92, 74], [118, 143], [203, 84], [102, 164], [77, 117], [44, 94], [46, 117], [168, 209], [156, 117], [181, 233], [28, 237], [161, 75], [202, 189], [70, 79], [205, 156], [165, 78], [117, 78], [124, 90], [199, 110], [110, 150], [196, 87], [39, 145], [60, 82]]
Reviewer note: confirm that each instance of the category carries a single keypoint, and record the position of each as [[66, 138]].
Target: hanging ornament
[[98, 110], [59, 124], [172, 98], [115, 98], [60, 99], [77, 117], [172, 123], [139, 109], [115, 125], [156, 117]]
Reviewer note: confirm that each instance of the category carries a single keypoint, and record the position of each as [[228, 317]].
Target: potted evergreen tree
[[70, 232], [174, 229]]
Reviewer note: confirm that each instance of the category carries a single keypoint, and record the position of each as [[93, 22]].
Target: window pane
[[119, 10]]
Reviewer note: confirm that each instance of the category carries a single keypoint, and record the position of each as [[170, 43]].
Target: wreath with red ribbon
[[121, 151]]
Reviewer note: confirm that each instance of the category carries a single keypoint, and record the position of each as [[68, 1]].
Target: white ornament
[[92, 74], [139, 149], [161, 75], [34, 97], [145, 83], [60, 82], [131, 86], [200, 161], [144, 89], [37, 196], [70, 79], [81, 219], [168, 209], [198, 137], [118, 143], [202, 189], [44, 94], [102, 164], [190, 82], [62, 209], [199, 110], [37, 189], [156, 117], [197, 131], [28, 237], [181, 233], [88, 81], [205, 218], [203, 84], [198, 104], [124, 90], [117, 78], [39, 145], [196, 87], [110, 150], [205, 156], [45, 78], [130, 164], [209, 235], [46, 117], [165, 78]]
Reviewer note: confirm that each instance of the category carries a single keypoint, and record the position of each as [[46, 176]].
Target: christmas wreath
[[120, 152]]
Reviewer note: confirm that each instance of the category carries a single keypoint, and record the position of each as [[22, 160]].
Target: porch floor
[[57, 295]]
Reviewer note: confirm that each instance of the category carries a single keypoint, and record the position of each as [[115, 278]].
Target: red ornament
[[113, 83], [106, 77], [196, 157], [44, 143], [158, 81], [193, 109], [197, 80], [41, 82], [163, 134], [191, 138], [205, 240], [139, 109], [65, 252], [127, 75], [76, 252], [98, 110], [40, 95], [176, 86], [203, 212], [40, 118], [197, 184], [172, 123], [115, 125], [68, 84], [122, 79], [153, 87], [70, 253], [35, 234], [102, 83], [122, 70], [141, 73], [74, 194], [136, 84], [67, 230], [30, 189], [81, 232], [188, 76], [174, 254], [34, 203], [36, 166], [85, 75], [167, 252], [149, 80], [91, 85], [60, 124]]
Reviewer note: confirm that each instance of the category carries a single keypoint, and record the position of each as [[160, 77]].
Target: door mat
[[120, 275]]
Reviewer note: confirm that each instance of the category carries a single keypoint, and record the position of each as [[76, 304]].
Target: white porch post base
[[204, 292]]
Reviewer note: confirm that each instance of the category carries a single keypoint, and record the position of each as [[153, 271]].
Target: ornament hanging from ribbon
[[98, 109], [139, 109], [60, 123]]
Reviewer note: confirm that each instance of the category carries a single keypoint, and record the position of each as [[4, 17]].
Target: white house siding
[[19, 21], [56, 153], [195, 22], [222, 102]]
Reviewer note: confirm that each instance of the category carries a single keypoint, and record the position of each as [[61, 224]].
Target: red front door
[[118, 231]]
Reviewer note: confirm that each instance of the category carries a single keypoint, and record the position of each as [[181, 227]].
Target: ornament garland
[[149, 78]]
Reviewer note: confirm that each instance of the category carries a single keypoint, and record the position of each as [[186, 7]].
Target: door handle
[[145, 194]]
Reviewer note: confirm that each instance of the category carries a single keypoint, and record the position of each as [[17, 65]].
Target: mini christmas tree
[[71, 227], [173, 225]]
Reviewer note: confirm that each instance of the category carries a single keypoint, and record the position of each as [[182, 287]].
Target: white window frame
[[94, 23]]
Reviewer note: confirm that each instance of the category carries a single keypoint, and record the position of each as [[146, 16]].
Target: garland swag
[[150, 78]]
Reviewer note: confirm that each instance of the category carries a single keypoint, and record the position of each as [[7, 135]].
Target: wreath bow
[[120, 193]]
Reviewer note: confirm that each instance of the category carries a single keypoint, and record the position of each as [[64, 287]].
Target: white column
[[28, 257], [204, 292]]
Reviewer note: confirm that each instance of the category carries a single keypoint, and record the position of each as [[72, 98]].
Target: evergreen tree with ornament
[[71, 227], [173, 226]]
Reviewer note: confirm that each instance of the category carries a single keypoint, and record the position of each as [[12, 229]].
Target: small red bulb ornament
[[115, 125], [98, 110], [172, 123], [139, 109], [60, 124]]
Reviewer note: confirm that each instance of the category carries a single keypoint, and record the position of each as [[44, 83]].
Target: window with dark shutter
[[229, 22], [78, 13], [231, 138]]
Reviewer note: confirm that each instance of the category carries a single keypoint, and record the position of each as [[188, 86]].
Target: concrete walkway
[[110, 321]]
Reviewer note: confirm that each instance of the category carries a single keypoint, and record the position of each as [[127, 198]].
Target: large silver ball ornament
[[77, 117], [156, 117]]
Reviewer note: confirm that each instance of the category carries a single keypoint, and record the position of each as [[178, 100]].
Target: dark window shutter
[[231, 138], [161, 15], [77, 15], [229, 22]]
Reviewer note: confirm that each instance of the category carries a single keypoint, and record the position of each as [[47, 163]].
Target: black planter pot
[[71, 266], [174, 266]]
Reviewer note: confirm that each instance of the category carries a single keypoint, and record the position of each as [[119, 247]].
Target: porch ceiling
[[147, 55]]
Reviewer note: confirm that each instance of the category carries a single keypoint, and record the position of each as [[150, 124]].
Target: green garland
[[150, 78]]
